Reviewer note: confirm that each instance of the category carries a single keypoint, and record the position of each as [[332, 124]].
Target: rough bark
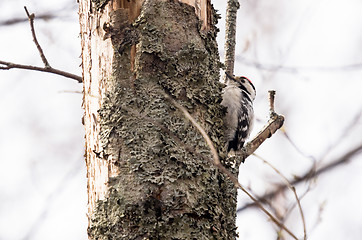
[[141, 183]]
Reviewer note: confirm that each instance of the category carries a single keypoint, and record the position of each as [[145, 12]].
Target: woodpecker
[[238, 97]]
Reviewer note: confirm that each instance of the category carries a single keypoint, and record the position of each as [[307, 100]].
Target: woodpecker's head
[[243, 83]]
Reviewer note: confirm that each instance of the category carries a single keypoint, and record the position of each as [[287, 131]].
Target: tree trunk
[[145, 177]]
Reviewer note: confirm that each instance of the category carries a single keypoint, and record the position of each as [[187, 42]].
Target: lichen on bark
[[164, 191]]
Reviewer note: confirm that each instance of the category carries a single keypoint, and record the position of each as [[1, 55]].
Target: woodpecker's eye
[[245, 78]]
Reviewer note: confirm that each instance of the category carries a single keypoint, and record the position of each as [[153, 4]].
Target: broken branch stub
[[275, 122]]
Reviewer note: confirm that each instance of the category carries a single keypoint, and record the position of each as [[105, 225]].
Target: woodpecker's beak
[[229, 76]]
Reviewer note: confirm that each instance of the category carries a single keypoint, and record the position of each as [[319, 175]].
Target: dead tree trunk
[[145, 179]]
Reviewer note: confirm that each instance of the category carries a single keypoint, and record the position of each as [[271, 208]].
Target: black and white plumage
[[238, 97]]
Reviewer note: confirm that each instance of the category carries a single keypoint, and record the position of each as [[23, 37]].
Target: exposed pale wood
[[96, 62]]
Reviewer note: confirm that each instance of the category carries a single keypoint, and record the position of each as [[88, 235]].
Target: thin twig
[[217, 163], [41, 53], [51, 198], [199, 128], [67, 91], [256, 202], [292, 188], [296, 147], [47, 68], [10, 65], [308, 175], [44, 16], [348, 128]]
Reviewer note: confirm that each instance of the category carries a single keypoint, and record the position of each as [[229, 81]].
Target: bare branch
[[47, 68], [308, 175], [349, 127], [41, 53], [292, 188], [66, 91], [273, 125], [256, 202], [10, 65], [44, 16], [296, 147], [58, 189], [230, 35]]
